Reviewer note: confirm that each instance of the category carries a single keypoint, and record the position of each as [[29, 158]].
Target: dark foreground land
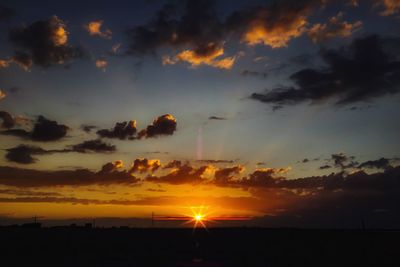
[[75, 247]]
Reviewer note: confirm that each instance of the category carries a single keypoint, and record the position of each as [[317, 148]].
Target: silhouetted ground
[[74, 247]]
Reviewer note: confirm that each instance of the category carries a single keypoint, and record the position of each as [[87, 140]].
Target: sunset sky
[[284, 111]]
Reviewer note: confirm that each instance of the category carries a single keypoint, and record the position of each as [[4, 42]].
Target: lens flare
[[199, 216]]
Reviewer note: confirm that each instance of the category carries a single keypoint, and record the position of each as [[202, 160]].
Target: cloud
[[8, 120], [173, 164], [263, 177], [350, 199], [22, 59], [215, 161], [345, 78], [391, 7], [23, 154], [217, 118], [19, 192], [254, 73], [2, 94], [343, 161], [101, 63], [43, 43], [5, 63], [47, 130], [192, 24], [145, 165], [44, 130], [97, 146], [94, 29], [209, 55], [122, 130], [162, 125], [195, 27], [88, 128], [273, 25], [184, 174], [324, 167], [335, 27], [382, 163], [109, 174], [225, 175]]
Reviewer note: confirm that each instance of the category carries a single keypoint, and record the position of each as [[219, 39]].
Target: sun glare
[[199, 216]]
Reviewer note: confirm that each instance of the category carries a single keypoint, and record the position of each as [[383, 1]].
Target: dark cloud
[[6, 12], [324, 167], [19, 192], [94, 146], [48, 130], [44, 130], [122, 130], [145, 165], [382, 163], [173, 164], [266, 177], [254, 73], [185, 174], [88, 128], [217, 118], [8, 120], [343, 161], [21, 133], [225, 175], [179, 24], [23, 154], [109, 174], [360, 72], [163, 125], [43, 43], [156, 190], [215, 161], [71, 200]]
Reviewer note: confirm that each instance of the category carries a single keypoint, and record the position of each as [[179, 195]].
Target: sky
[[285, 112]]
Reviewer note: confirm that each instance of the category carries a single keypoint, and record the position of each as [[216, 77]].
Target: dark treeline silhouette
[[242, 247]]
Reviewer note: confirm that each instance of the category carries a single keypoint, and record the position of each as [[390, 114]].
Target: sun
[[199, 216]]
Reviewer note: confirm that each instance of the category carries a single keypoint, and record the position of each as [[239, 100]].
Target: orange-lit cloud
[[276, 35], [209, 58], [391, 7], [115, 48], [2, 94], [101, 64], [145, 165], [94, 28], [59, 34], [335, 27], [4, 63]]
